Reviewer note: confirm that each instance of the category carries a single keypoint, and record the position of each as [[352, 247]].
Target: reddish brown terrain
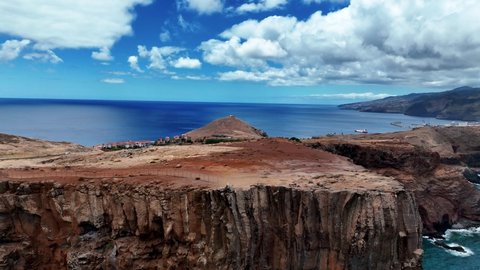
[[227, 127], [432, 162], [258, 204]]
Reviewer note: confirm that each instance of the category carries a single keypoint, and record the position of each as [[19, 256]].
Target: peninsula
[[248, 204], [462, 104]]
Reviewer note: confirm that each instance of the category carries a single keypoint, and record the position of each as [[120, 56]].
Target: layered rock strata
[[105, 225], [262, 204], [431, 162]]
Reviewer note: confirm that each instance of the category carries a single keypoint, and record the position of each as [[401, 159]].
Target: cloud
[[158, 56], [202, 6], [234, 53], [261, 49], [365, 95], [191, 77], [133, 61], [273, 76], [113, 80], [270, 28], [370, 41], [161, 58], [69, 23], [261, 5], [120, 73], [102, 55], [240, 75], [47, 56], [10, 49], [185, 25], [322, 1], [165, 36], [186, 62]]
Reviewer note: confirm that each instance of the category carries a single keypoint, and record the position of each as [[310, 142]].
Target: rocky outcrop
[[108, 225], [410, 159], [430, 162]]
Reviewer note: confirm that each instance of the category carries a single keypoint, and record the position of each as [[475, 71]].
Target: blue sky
[[281, 51]]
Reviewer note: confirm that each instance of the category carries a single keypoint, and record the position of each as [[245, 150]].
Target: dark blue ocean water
[[439, 258], [94, 122]]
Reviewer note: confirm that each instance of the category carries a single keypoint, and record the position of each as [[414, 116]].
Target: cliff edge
[[268, 203], [439, 165]]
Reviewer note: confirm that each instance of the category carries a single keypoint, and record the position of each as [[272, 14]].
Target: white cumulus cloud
[[429, 43], [68, 23], [103, 54], [186, 62], [261, 49], [158, 56], [133, 62], [261, 5], [10, 49], [202, 6]]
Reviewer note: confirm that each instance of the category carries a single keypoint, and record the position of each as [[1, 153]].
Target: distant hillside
[[17, 147], [227, 127], [458, 104]]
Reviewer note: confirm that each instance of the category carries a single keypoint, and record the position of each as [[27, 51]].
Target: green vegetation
[[219, 140], [295, 139]]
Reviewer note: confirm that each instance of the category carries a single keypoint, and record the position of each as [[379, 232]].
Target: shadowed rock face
[[123, 226]]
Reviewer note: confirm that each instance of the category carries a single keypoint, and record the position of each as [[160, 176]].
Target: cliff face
[[430, 162], [105, 225]]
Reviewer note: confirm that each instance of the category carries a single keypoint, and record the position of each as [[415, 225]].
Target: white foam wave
[[463, 232], [468, 252]]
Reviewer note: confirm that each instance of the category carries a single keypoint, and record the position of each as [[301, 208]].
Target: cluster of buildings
[[183, 139], [464, 124], [174, 140], [124, 145]]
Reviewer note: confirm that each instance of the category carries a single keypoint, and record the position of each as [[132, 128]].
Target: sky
[[272, 51]]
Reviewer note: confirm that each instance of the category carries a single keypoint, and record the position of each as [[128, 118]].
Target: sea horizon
[[172, 101], [92, 122]]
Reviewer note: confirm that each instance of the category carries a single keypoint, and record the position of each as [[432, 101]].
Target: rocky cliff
[[48, 225], [431, 162], [259, 204]]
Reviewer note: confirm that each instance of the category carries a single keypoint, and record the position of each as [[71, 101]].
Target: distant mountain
[[462, 103]]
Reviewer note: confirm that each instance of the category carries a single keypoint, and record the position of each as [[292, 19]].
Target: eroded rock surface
[[266, 204], [430, 162], [120, 226]]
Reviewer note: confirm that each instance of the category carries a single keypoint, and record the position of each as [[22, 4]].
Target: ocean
[[439, 258], [89, 122]]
